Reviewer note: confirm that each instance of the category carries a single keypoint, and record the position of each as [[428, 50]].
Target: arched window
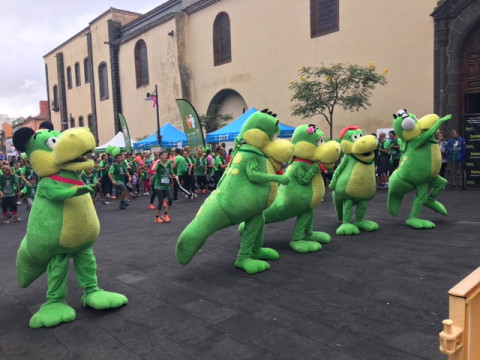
[[78, 76], [55, 104], [324, 17], [86, 69], [69, 77], [222, 46], [103, 81], [72, 122], [141, 63], [80, 121]]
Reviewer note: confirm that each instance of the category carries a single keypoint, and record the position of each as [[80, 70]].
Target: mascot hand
[[445, 118], [86, 189], [284, 180]]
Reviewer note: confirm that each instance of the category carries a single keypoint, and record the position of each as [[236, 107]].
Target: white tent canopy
[[117, 140]]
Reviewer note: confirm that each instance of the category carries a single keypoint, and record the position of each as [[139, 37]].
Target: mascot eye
[[356, 137], [51, 142], [320, 141]]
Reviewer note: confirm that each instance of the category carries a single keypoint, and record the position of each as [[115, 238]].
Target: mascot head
[[407, 127], [355, 142], [261, 130], [309, 142], [50, 151]]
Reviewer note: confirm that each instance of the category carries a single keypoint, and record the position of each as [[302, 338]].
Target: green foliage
[[320, 89], [213, 120]]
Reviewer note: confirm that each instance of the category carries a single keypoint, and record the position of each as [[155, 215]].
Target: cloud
[[29, 84], [30, 29]]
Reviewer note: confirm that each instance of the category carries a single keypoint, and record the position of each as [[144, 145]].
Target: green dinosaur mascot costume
[[63, 223], [353, 182], [306, 188], [248, 186], [419, 167]]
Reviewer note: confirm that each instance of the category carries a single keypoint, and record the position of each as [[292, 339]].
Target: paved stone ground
[[374, 296]]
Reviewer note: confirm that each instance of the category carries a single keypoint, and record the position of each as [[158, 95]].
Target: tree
[[321, 89], [213, 120]]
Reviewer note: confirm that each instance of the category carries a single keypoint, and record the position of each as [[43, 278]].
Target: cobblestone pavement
[[375, 296]]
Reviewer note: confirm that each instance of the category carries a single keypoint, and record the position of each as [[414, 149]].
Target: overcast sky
[[29, 29]]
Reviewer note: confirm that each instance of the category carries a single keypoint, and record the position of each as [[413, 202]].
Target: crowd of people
[[453, 151], [162, 174]]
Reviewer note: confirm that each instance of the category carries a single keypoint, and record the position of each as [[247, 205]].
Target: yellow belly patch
[[318, 186], [362, 181], [436, 160], [273, 185], [80, 222]]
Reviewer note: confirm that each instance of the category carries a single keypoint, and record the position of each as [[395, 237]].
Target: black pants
[[202, 182], [162, 194], [9, 202]]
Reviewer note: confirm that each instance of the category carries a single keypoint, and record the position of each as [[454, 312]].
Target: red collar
[[303, 160], [66, 180]]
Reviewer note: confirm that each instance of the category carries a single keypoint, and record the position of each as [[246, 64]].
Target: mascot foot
[[319, 236], [348, 229], [367, 225], [437, 206], [265, 254], [420, 224], [104, 300], [52, 314], [252, 266], [303, 246]]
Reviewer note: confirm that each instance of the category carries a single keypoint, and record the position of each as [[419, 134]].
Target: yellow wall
[[270, 43], [163, 72], [397, 35]]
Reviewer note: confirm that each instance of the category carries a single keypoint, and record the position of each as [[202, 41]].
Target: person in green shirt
[[181, 170], [383, 165], [162, 185], [89, 178], [118, 174], [8, 193], [201, 171], [105, 181], [26, 171], [220, 163], [29, 191], [395, 146]]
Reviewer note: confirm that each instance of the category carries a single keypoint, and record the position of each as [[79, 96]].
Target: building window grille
[[222, 45], [141, 63], [324, 18], [103, 81], [78, 76], [69, 77], [86, 70]]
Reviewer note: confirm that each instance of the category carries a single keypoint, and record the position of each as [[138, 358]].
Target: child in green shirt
[[29, 191]]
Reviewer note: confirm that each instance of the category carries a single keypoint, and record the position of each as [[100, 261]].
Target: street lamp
[[154, 96]]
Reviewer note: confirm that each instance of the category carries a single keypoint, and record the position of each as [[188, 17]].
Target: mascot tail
[[28, 268], [275, 213], [209, 219]]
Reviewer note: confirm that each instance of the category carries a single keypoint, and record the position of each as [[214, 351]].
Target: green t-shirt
[[396, 153], [89, 179], [119, 172], [384, 145], [145, 176], [103, 168], [163, 176], [29, 191], [181, 165], [27, 171], [219, 160], [8, 185], [201, 166]]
